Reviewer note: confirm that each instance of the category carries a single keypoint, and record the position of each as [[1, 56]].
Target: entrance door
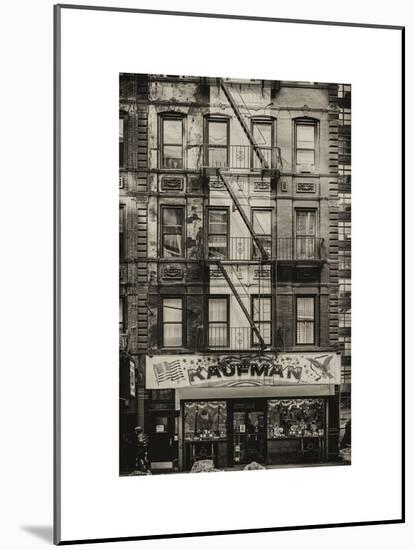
[[161, 440], [248, 436]]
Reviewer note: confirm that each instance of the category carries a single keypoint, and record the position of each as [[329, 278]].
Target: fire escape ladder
[[244, 125], [245, 218], [240, 302]]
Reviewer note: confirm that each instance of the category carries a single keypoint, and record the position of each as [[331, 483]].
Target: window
[[218, 143], [296, 418], [218, 322], [261, 222], [172, 142], [262, 132], [345, 144], [204, 417], [122, 142], [218, 233], [305, 146], [122, 232], [122, 315], [172, 232], [305, 232], [172, 322], [305, 320], [261, 315]]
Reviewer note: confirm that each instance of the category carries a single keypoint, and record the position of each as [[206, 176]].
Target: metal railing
[[230, 338], [300, 248], [281, 248], [240, 157]]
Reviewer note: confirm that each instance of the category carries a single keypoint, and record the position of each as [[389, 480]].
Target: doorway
[[161, 439], [248, 432]]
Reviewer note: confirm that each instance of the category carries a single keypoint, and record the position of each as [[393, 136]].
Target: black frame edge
[[232, 16], [403, 358], [235, 532], [57, 274]]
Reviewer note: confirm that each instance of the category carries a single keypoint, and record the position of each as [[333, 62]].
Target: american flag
[[169, 372]]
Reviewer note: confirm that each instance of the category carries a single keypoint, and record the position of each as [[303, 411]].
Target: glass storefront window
[[295, 418], [204, 420]]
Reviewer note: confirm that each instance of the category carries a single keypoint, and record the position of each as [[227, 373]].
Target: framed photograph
[[206, 318]]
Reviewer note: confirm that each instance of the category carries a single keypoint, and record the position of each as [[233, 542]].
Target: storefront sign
[[181, 371]]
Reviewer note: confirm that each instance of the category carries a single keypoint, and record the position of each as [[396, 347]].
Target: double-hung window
[[262, 132], [218, 228], [261, 315], [305, 146], [261, 223], [218, 322], [172, 232], [172, 322], [172, 149], [305, 320], [305, 229], [218, 143]]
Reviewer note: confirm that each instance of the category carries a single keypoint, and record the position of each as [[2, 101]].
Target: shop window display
[[205, 420], [295, 418]]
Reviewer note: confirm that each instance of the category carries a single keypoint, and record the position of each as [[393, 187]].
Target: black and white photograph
[[234, 274]]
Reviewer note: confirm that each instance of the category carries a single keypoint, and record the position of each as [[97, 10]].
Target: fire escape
[[261, 254]]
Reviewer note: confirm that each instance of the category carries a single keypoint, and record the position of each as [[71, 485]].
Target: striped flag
[[169, 372]]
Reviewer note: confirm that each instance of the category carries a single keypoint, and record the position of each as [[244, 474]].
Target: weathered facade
[[230, 242]]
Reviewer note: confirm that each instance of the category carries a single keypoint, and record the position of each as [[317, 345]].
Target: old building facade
[[234, 334]]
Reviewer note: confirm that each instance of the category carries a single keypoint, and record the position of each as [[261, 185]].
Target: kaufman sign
[[183, 371]]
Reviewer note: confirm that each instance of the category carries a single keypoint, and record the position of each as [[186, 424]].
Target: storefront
[[238, 409]]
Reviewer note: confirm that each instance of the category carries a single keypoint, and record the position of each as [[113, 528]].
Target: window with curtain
[[305, 230], [261, 315], [305, 320], [172, 142], [305, 146], [172, 322], [218, 233], [218, 322], [172, 232], [261, 222], [262, 132], [218, 143]]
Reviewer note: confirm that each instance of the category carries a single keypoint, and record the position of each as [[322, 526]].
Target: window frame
[[123, 165], [122, 323], [296, 321], [208, 233], [315, 211], [265, 235], [306, 121], [221, 119], [269, 122], [176, 117], [225, 297], [259, 323], [164, 207], [163, 322]]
